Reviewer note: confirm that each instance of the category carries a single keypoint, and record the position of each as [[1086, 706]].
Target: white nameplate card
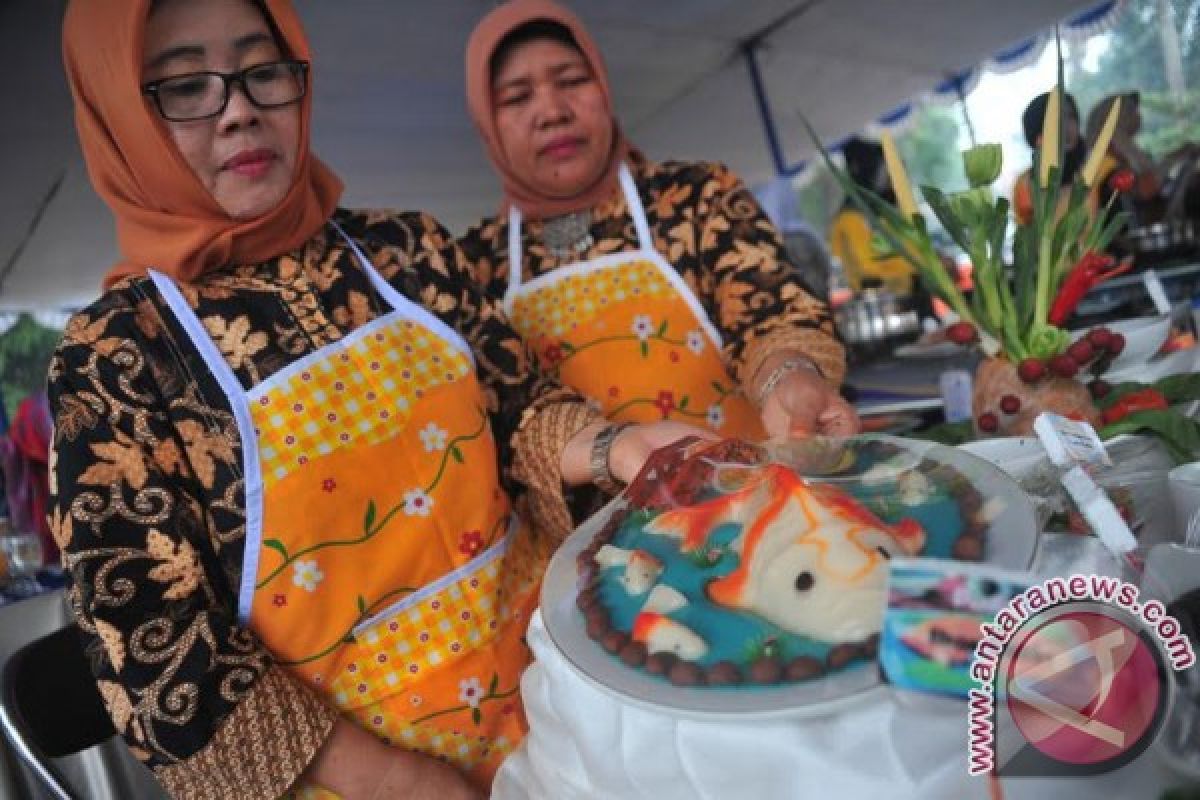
[[1073, 447]]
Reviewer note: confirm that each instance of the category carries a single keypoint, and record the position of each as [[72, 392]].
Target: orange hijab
[[486, 37], [165, 217]]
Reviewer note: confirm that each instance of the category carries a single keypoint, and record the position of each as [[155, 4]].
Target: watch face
[[601, 446]]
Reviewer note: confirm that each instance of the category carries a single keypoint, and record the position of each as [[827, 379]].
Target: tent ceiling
[[390, 111]]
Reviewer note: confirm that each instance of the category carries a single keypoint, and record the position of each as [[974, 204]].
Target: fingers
[[840, 419], [634, 445], [780, 424], [790, 414]]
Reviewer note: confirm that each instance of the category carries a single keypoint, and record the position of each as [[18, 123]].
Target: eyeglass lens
[[204, 94]]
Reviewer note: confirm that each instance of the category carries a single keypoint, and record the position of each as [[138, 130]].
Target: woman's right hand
[[356, 765], [627, 452], [638, 442], [416, 776]]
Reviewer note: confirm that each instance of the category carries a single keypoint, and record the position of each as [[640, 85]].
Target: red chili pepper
[[1088, 273], [1075, 286], [1141, 400], [1122, 180]]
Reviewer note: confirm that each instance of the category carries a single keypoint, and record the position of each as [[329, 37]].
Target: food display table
[[588, 741]]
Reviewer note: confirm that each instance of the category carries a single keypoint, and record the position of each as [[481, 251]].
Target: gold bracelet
[[782, 371]]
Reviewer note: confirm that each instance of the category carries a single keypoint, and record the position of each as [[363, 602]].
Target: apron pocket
[[427, 630]]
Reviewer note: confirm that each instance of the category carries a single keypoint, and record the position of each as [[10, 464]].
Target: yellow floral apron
[[626, 331], [383, 564]]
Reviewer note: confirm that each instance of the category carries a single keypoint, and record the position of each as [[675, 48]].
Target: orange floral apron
[[626, 331], [383, 564]]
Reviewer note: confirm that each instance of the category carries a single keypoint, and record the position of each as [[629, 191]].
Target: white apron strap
[[236, 395], [637, 211], [401, 304], [632, 201], [514, 260]]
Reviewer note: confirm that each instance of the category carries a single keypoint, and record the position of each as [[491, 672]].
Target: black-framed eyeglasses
[[200, 95]]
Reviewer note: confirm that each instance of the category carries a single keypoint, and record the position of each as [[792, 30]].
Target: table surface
[[890, 384], [895, 384], [1135, 278]]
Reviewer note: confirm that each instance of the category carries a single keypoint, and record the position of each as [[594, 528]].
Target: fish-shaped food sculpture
[[664, 599], [641, 568], [813, 560], [661, 634]]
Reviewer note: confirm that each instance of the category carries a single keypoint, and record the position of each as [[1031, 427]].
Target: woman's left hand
[[634, 445], [803, 403]]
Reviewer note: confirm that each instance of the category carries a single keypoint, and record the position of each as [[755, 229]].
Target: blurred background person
[[1154, 183], [1073, 157]]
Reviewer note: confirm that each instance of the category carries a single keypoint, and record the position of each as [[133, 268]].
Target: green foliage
[[819, 199], [1134, 60], [1175, 388], [25, 352], [947, 433], [1167, 122], [1180, 434], [929, 153]]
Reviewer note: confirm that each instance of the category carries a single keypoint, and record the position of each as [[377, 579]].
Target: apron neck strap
[[208, 349], [196, 331], [636, 210], [514, 260], [402, 304], [385, 289], [240, 406], [633, 202]]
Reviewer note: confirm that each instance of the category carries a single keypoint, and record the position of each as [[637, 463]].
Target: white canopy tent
[[391, 118]]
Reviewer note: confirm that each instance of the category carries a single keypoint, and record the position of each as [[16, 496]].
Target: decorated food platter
[[690, 619]]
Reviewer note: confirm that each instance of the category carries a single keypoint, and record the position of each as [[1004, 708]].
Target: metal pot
[[875, 319]]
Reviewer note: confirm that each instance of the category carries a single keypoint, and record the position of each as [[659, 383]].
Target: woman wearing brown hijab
[[691, 312], [278, 439]]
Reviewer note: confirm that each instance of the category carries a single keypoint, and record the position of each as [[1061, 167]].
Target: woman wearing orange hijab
[[278, 436], [660, 291]]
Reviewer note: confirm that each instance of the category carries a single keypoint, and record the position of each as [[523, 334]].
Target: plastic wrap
[[1172, 576], [1136, 483], [933, 623]]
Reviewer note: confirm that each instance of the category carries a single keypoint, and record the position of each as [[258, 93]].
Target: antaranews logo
[[1073, 679]]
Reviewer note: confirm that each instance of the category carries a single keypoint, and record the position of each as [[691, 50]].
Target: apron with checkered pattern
[[383, 564]]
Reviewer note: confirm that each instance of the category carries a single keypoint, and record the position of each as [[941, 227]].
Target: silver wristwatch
[[602, 475]]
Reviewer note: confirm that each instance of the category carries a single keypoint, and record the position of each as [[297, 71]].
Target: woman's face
[[244, 156], [551, 117]]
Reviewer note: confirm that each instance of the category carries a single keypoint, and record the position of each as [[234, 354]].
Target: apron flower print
[[626, 331], [383, 564]]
